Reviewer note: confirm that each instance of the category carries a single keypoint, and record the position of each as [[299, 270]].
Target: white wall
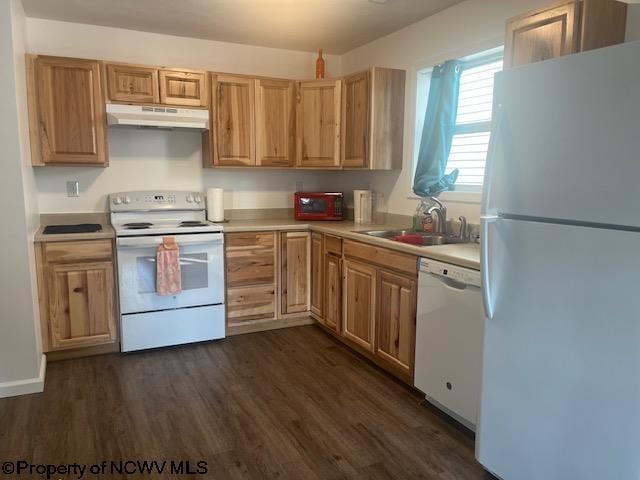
[[468, 27], [20, 349], [152, 159]]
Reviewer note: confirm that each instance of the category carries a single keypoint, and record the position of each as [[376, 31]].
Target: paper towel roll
[[215, 204]]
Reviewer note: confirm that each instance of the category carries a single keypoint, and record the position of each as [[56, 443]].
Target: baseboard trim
[[26, 386]]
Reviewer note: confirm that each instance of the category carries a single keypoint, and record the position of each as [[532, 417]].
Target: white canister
[[362, 206], [215, 204]]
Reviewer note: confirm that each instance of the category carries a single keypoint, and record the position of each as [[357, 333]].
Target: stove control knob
[[198, 199], [117, 200], [189, 198], [127, 199]]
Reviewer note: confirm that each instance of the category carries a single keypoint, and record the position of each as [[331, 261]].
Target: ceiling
[[335, 25]]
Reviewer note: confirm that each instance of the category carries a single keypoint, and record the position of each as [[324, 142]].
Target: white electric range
[[148, 320]]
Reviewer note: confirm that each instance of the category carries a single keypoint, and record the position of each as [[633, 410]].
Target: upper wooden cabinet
[[562, 29], [183, 87], [275, 123], [318, 123], [132, 83], [233, 129], [67, 120], [355, 120], [373, 119]]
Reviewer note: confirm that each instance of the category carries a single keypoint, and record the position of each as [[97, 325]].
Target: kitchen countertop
[[462, 254], [107, 231]]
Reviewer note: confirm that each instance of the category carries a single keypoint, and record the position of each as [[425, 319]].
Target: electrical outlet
[[73, 188], [299, 186]]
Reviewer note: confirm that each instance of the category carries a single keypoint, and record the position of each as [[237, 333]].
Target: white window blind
[[473, 122]]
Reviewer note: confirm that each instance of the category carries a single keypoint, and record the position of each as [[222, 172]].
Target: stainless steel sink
[[426, 239]]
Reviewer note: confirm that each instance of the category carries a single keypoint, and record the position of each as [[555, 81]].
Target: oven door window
[[313, 205], [193, 272]]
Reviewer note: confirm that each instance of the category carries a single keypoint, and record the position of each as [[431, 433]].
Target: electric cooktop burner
[[137, 225], [193, 223]]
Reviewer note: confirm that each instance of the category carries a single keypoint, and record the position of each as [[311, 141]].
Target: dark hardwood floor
[[290, 404]]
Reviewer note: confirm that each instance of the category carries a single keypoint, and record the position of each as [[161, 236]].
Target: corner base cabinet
[[76, 287]]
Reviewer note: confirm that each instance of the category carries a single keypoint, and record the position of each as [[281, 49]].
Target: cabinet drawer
[[249, 240], [60, 252], [382, 256], [333, 245], [251, 303]]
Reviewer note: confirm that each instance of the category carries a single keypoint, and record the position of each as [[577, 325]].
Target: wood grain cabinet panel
[[359, 303], [317, 275], [233, 132], [355, 120], [81, 305], [332, 292], [318, 123], [183, 88], [395, 320], [250, 278], [275, 123], [295, 254], [562, 29], [66, 111], [132, 83]]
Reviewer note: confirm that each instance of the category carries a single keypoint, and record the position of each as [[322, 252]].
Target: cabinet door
[[396, 320], [132, 83], [81, 305], [295, 274], [275, 139], [318, 122], [66, 112], [543, 35], [359, 303], [251, 277], [332, 291], [317, 275], [355, 120], [183, 88], [233, 115]]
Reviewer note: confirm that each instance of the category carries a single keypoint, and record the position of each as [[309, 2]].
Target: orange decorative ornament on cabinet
[[320, 66]]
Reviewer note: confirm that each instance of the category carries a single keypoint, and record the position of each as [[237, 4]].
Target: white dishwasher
[[449, 339]]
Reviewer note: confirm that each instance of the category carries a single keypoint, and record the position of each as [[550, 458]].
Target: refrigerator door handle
[[486, 223], [496, 132]]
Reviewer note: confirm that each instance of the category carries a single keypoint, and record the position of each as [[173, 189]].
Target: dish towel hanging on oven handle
[[168, 278]]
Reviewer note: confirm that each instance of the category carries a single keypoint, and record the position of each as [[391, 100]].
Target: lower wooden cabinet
[[76, 286], [396, 304], [317, 275], [359, 303], [250, 278], [295, 252], [332, 292]]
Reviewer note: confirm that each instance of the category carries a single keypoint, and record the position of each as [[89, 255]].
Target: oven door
[[201, 265]]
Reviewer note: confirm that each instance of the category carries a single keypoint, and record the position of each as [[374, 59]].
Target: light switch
[[73, 188]]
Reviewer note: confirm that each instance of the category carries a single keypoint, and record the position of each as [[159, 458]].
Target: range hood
[[157, 117]]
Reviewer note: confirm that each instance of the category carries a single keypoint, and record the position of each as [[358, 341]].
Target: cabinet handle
[[79, 290]]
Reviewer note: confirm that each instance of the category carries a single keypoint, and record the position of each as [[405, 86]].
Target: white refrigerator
[[561, 271]]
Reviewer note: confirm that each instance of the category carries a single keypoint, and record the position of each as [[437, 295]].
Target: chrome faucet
[[463, 226], [441, 211]]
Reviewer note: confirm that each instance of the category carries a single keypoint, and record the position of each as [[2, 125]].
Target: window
[[473, 123]]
